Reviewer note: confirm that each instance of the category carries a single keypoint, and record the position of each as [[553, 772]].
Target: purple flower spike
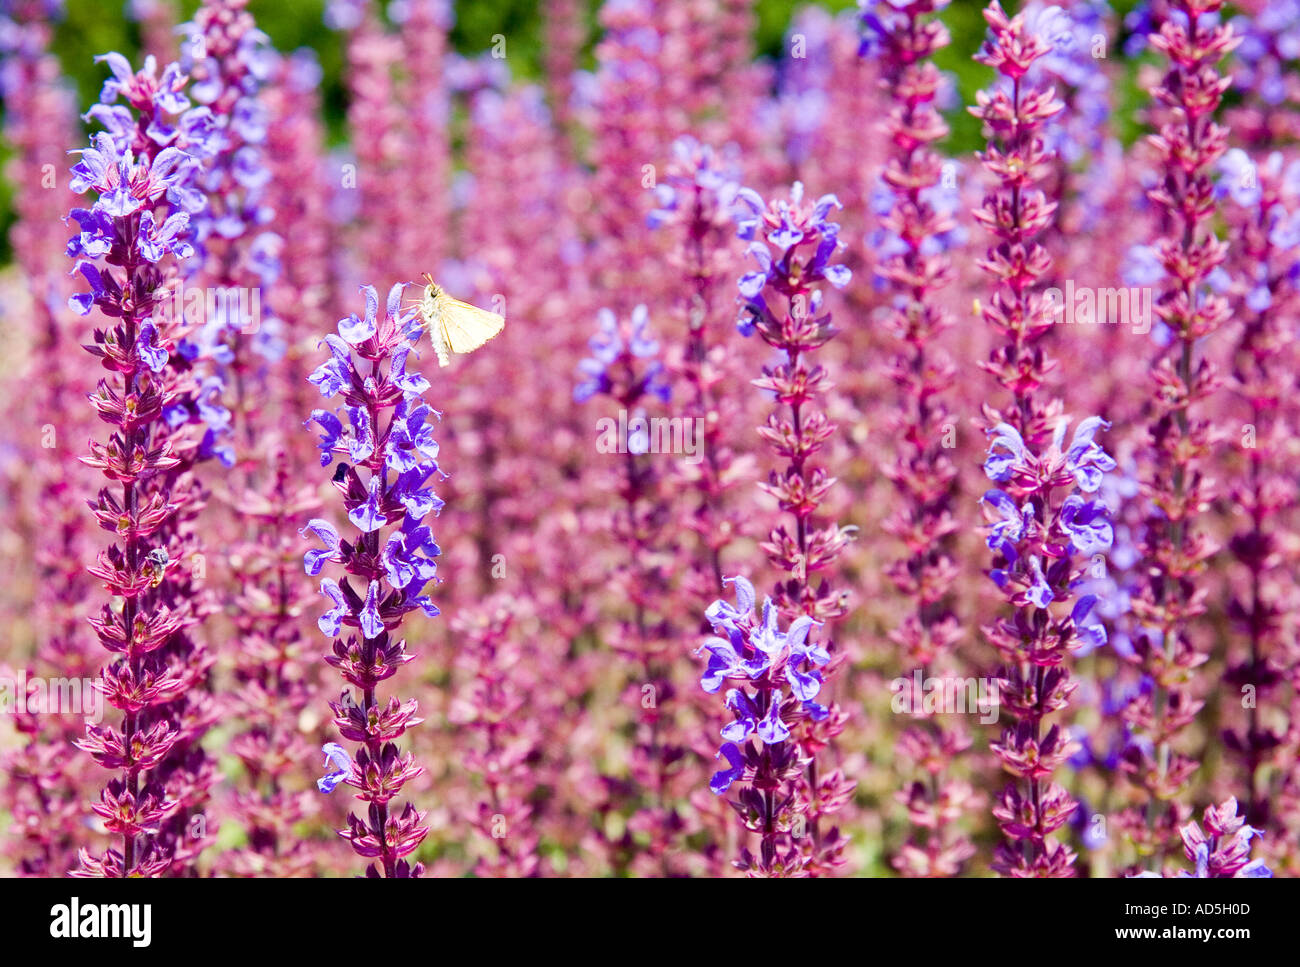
[[131, 242], [393, 567]]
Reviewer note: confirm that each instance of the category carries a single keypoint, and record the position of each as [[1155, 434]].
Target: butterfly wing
[[465, 327], [430, 312]]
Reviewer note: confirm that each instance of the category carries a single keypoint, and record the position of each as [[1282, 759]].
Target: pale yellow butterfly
[[454, 326]]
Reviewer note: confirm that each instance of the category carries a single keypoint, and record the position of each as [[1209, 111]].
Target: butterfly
[[454, 326]]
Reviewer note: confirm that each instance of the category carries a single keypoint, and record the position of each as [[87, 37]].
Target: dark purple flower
[[722, 780], [333, 428]]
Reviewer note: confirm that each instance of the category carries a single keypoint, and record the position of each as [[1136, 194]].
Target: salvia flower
[[1262, 264], [617, 344], [229, 60], [1042, 545], [761, 662], [625, 369], [1220, 849], [47, 785], [797, 247], [498, 707], [142, 171], [1189, 145], [387, 563], [274, 689], [1015, 113], [697, 197]]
